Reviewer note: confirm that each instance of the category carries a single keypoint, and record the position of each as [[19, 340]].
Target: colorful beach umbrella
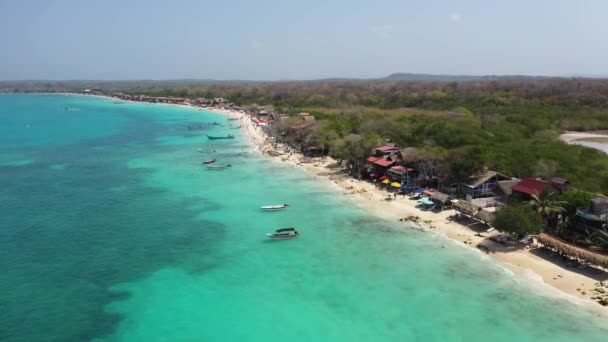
[[396, 184], [386, 181], [373, 175], [405, 187], [383, 177]]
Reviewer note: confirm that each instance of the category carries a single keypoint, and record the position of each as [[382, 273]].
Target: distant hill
[[458, 78]]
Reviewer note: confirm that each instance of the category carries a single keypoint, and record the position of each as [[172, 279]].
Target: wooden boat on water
[[218, 167], [205, 150], [274, 207], [214, 137], [209, 161], [284, 233]]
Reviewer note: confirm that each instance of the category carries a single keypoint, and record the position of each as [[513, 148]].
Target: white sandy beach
[[570, 137], [533, 266]]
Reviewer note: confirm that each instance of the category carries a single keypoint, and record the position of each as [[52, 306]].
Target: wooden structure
[[529, 187], [481, 184], [595, 216], [560, 184], [572, 251], [381, 164], [504, 190], [485, 216], [443, 200], [466, 208], [385, 150], [399, 173]]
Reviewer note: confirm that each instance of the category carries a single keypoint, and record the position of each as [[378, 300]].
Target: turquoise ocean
[[112, 230]]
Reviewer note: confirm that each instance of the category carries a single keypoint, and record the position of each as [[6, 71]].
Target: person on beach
[[395, 195]]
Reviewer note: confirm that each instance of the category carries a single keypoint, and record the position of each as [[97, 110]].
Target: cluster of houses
[[198, 102], [478, 196], [217, 102]]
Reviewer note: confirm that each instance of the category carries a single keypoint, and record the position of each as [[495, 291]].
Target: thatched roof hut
[[485, 216], [505, 187], [599, 205], [466, 208], [440, 197], [572, 251]]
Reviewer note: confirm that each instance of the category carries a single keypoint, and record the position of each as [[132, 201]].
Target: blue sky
[[271, 40]]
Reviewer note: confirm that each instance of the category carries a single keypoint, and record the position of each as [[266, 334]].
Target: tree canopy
[[519, 219]]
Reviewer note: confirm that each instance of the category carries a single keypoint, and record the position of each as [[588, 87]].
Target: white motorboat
[[274, 207]]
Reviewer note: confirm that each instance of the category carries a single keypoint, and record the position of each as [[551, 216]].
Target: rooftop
[[531, 186]]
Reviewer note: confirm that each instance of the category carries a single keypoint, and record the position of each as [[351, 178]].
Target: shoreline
[[553, 278], [587, 139]]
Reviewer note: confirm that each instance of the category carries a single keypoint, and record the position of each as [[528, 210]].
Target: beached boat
[[284, 233], [218, 167], [209, 161], [274, 207], [214, 137]]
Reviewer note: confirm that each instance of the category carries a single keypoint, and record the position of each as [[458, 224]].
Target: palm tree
[[598, 238], [548, 207]]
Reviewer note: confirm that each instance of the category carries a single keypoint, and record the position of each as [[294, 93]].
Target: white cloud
[[383, 32], [455, 17], [256, 44]]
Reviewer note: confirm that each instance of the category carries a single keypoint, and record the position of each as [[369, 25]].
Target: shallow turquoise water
[[113, 231]]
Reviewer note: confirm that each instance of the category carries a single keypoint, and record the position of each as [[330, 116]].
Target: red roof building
[[384, 162], [531, 186], [387, 149], [398, 168]]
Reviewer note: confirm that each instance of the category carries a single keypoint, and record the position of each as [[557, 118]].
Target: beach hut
[[560, 184], [381, 164], [485, 216], [385, 150], [529, 187], [442, 200], [481, 184], [399, 173], [466, 208], [504, 190], [594, 216]]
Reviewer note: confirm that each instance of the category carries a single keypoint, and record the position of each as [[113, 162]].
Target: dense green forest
[[510, 125]]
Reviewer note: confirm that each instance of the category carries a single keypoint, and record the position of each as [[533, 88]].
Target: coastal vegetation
[[519, 219]]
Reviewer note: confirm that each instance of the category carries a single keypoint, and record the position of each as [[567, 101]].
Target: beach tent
[[425, 201], [396, 184], [417, 191], [386, 181]]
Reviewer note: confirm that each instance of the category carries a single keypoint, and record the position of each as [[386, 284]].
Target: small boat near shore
[[201, 150], [284, 233], [218, 167], [209, 161], [214, 137], [274, 207]]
